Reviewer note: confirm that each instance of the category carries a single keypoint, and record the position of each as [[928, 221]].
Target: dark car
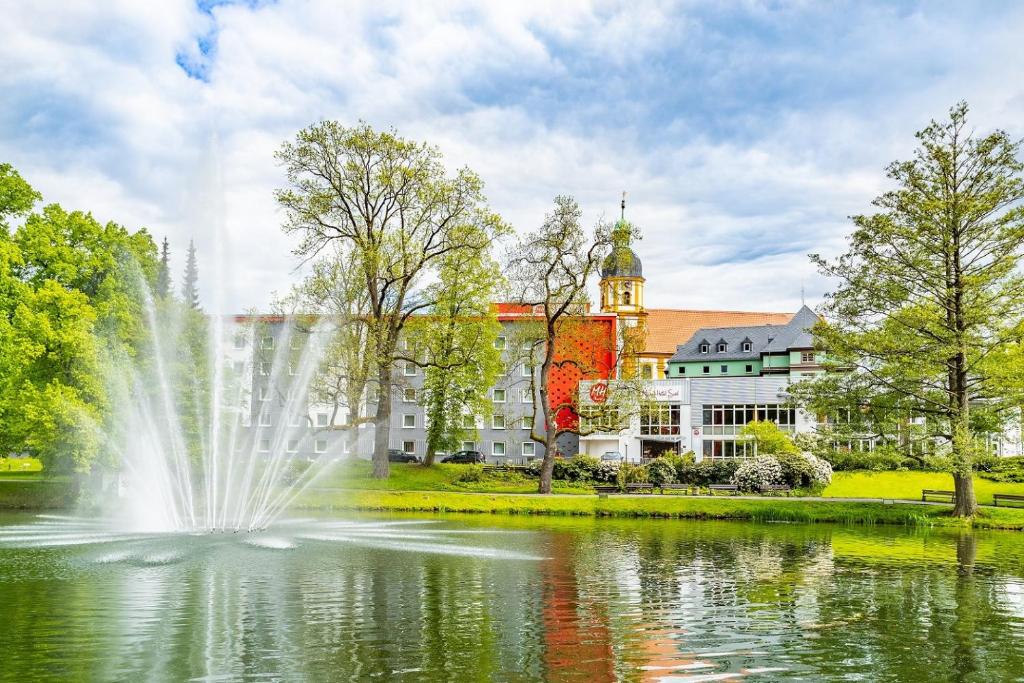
[[465, 457], [395, 455]]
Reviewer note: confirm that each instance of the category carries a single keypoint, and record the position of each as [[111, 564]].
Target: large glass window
[[659, 419], [729, 419]]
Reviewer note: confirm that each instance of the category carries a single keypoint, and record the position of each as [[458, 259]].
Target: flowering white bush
[[822, 469], [757, 474]]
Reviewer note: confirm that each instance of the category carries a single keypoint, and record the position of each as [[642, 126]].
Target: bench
[[1006, 498], [947, 496], [640, 486], [676, 487], [606, 489], [732, 488], [776, 488]]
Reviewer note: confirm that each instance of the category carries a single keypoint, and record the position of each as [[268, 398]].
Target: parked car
[[395, 455], [611, 456], [465, 457]]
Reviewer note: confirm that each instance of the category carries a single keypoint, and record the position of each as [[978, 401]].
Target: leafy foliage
[[757, 474]]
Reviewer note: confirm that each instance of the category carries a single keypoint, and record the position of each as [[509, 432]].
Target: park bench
[[1006, 498], [676, 487], [947, 496], [606, 489], [732, 488], [640, 486], [776, 488]]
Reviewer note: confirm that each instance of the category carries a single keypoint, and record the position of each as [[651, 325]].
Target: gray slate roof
[[762, 338]]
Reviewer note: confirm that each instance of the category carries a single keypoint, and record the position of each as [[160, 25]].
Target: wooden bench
[[640, 486], [732, 488], [948, 496], [1006, 498], [606, 489], [676, 487], [776, 488]]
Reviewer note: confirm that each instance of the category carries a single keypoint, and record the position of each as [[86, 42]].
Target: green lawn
[[20, 465], [908, 485], [438, 477]]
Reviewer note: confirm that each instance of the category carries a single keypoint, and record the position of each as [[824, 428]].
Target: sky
[[745, 133]]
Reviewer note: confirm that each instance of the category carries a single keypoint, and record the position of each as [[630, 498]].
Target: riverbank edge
[[652, 506]]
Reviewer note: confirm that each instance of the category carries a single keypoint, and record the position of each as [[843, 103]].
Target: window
[[646, 371], [498, 449], [469, 445], [295, 343], [468, 422], [497, 421], [265, 368], [409, 395], [807, 356], [239, 341], [320, 445], [704, 348], [291, 369], [264, 394], [527, 422], [660, 419], [295, 420], [264, 445], [502, 369], [239, 367], [626, 298], [525, 370], [293, 445], [410, 369], [722, 347], [499, 395], [707, 369], [409, 447], [749, 368], [408, 421], [500, 343], [267, 342], [682, 370], [527, 395], [724, 368], [529, 449], [729, 419], [265, 420], [528, 345], [322, 419], [747, 347]]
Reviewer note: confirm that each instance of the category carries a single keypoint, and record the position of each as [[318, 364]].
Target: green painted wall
[[734, 368], [779, 360], [794, 357]]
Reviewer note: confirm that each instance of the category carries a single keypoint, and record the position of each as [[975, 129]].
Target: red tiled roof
[[668, 327]]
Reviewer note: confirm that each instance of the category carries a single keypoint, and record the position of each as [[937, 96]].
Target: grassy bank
[[438, 477], [681, 507], [908, 485], [33, 492]]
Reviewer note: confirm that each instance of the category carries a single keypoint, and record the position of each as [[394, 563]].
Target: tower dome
[[623, 261]]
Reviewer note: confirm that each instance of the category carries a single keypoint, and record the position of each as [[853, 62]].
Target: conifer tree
[[190, 288], [163, 277]]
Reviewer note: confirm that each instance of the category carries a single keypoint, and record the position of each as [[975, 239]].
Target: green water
[[507, 599]]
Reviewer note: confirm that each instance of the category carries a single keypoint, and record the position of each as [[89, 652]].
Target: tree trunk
[[966, 505], [382, 424], [547, 467]]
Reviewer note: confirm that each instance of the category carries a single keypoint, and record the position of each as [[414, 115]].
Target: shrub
[[758, 473], [707, 472], [628, 473], [796, 469], [661, 471], [821, 468], [1004, 469], [881, 459], [469, 474]]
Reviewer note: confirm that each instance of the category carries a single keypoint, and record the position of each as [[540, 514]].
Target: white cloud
[[742, 148]]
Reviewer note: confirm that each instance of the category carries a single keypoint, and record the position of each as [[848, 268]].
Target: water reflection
[[600, 600]]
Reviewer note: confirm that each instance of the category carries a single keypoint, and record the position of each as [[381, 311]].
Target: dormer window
[[747, 346], [722, 347], [705, 347]]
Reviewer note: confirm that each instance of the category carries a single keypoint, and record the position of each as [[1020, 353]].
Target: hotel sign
[[669, 393], [599, 392]]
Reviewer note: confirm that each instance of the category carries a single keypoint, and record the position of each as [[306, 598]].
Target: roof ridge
[[720, 310]]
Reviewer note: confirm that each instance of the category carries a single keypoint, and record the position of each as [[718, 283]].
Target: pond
[[450, 598]]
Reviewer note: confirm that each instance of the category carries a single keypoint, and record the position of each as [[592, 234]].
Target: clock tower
[[622, 293]]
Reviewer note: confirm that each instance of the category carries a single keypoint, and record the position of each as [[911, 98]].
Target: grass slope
[[908, 485]]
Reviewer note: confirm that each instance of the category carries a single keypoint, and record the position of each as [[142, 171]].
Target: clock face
[[627, 286]]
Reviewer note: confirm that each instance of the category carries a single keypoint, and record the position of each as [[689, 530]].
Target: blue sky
[[745, 132]]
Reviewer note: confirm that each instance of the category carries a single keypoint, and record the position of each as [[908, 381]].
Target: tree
[[455, 344], [391, 201], [548, 271], [927, 316], [190, 285], [163, 277], [767, 438], [346, 373]]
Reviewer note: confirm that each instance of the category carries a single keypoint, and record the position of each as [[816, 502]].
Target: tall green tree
[[190, 284], [163, 277], [454, 343], [927, 314], [393, 203]]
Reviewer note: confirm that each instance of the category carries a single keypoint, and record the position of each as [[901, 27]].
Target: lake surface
[[479, 598]]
